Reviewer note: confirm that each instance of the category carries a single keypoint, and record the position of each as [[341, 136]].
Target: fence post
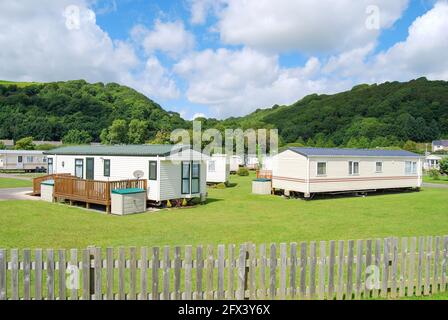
[[91, 270], [246, 272]]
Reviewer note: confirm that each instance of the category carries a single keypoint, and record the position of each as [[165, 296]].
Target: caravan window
[[106, 172], [321, 168], [353, 168], [379, 167], [195, 177], [79, 168], [50, 165], [211, 165], [410, 167], [185, 177], [152, 170]]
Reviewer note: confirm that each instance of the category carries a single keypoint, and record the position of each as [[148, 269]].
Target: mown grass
[[18, 84], [14, 183], [232, 215], [442, 180]]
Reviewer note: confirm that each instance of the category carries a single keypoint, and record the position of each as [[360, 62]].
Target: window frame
[[376, 167], [50, 163], [214, 165], [82, 167], [182, 179], [198, 178], [19, 159], [325, 169], [351, 168], [108, 167], [149, 170]]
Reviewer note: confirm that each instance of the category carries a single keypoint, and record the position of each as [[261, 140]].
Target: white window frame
[[325, 169], [410, 167], [212, 166], [376, 167], [351, 168]]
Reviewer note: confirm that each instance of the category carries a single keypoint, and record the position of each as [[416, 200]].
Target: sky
[[223, 58]]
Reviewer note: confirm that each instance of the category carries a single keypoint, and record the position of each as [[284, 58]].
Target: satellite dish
[[138, 174]]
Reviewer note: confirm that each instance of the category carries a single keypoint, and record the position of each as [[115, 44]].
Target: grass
[[442, 180], [14, 183], [232, 215], [18, 84]]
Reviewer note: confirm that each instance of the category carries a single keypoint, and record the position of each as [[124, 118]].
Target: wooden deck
[[264, 174], [37, 181], [67, 187]]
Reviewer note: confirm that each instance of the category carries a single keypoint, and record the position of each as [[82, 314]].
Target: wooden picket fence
[[362, 269]]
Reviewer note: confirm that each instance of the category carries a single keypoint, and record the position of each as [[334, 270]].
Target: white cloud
[[198, 115], [60, 40], [201, 8], [170, 38], [237, 82], [304, 25]]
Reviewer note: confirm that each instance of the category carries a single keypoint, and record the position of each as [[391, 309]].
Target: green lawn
[[18, 84], [14, 183], [232, 215], [442, 180]]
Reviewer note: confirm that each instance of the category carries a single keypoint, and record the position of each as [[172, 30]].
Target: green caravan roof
[[119, 150]]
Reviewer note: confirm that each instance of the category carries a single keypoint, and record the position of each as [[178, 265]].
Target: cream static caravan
[[23, 160], [310, 171], [172, 171], [218, 169]]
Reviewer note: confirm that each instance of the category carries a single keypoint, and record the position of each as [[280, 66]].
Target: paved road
[[435, 185], [16, 194], [12, 176]]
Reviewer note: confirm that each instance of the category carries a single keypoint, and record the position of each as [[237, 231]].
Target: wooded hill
[[367, 116]]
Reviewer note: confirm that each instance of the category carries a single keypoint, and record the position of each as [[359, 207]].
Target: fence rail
[[264, 174], [362, 269], [91, 191], [38, 180]]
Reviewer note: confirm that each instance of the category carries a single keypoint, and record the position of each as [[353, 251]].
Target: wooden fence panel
[[359, 269]]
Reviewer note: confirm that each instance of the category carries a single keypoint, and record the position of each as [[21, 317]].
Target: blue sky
[[224, 58]]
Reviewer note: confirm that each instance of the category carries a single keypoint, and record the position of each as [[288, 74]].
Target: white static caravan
[[235, 163], [26, 160], [218, 169], [325, 170], [172, 171], [252, 161]]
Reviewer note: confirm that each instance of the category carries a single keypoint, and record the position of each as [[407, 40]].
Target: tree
[[444, 166], [117, 133], [410, 146], [138, 131], [2, 145], [161, 137], [25, 144], [76, 136]]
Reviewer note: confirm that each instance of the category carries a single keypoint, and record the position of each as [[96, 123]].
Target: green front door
[[90, 169]]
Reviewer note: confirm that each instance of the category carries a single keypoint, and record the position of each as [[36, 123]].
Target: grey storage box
[[261, 186], [128, 201], [46, 190]]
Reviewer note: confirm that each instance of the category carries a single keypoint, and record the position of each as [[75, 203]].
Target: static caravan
[[26, 160], [432, 162], [309, 171], [235, 163], [172, 171], [218, 169], [252, 161]]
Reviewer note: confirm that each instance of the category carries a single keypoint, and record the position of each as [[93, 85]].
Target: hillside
[[49, 111], [385, 115], [366, 116]]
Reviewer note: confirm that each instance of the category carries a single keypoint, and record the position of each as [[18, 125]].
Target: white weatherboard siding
[[295, 172], [166, 187], [289, 171], [31, 160], [218, 169], [235, 162]]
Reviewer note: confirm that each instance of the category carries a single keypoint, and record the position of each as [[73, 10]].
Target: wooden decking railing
[[264, 174], [37, 181], [91, 191]]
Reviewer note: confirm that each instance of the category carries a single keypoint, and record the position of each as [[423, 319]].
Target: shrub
[[243, 172], [444, 166], [220, 186], [434, 174]]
